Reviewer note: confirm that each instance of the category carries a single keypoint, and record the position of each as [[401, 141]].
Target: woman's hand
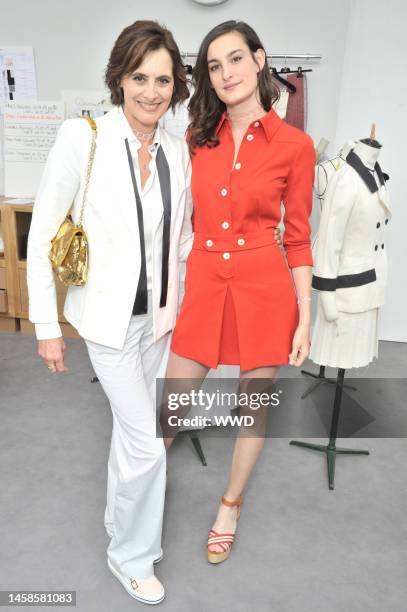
[[301, 346], [52, 353], [277, 236]]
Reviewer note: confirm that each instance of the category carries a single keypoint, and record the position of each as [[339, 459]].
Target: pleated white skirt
[[356, 344]]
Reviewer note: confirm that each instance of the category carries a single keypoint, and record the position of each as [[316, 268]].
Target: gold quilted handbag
[[69, 247]]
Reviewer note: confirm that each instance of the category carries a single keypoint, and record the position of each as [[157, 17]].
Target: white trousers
[[137, 460]]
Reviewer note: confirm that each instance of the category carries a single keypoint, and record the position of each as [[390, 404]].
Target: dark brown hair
[[129, 51], [205, 107]]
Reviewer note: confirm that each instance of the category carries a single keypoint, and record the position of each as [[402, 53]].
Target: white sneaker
[[146, 590]]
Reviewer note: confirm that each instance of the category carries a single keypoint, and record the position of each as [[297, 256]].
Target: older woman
[[134, 213]]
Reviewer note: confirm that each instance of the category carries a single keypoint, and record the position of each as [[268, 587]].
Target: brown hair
[[128, 53], [205, 107]]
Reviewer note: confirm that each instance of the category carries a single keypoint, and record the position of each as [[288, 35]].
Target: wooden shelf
[[15, 220]]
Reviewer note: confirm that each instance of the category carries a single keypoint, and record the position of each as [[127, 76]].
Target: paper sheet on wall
[[80, 103], [18, 83], [30, 130]]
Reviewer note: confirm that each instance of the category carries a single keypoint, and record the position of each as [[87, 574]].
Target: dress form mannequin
[[326, 169], [350, 271], [368, 151]]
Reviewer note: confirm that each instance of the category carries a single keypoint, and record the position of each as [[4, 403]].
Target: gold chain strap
[[92, 124]]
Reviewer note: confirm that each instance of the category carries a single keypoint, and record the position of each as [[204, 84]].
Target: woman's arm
[[297, 200], [302, 276]]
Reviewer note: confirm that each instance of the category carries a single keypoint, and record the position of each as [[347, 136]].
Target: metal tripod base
[[197, 445], [320, 379], [331, 452]]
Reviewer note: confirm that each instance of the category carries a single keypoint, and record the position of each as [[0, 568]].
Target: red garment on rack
[[295, 115]]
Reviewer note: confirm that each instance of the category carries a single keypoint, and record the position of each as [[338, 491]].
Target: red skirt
[[240, 305]]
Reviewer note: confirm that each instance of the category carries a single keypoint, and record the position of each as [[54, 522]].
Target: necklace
[[144, 135]]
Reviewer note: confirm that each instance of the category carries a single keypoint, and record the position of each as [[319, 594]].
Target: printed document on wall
[[79, 103], [30, 130], [17, 83]]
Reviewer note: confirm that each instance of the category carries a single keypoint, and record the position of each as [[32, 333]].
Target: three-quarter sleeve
[[297, 199]]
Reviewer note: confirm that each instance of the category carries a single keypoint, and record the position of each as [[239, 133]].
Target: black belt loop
[[163, 169]]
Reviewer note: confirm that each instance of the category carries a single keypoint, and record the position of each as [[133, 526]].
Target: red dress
[[240, 305]]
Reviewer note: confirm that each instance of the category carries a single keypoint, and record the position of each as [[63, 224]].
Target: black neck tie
[[140, 303]]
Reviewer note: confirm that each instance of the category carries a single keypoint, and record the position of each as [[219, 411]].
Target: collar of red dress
[[269, 122]]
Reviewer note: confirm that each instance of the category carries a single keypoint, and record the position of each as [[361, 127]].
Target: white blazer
[[101, 309], [350, 261]]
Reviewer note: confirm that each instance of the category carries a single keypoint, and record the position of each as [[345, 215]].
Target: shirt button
[[224, 192], [256, 124], [249, 137], [226, 255], [378, 224], [376, 247], [241, 241], [225, 225], [209, 243], [238, 166]]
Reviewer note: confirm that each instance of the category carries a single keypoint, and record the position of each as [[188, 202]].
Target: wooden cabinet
[[15, 222]]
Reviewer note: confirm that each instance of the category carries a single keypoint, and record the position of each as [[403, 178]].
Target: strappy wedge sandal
[[225, 540]]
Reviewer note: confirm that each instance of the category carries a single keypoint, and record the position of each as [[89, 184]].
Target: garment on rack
[[350, 267], [297, 102]]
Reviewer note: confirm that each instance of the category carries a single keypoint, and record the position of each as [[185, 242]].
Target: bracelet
[[303, 298]]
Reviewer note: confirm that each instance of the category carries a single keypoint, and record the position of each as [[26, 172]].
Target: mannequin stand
[[192, 434], [320, 380], [331, 450]]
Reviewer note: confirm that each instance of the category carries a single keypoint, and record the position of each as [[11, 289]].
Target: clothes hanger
[[290, 86]]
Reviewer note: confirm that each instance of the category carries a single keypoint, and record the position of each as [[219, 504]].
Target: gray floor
[[300, 547]]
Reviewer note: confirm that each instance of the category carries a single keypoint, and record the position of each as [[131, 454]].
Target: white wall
[[359, 79], [374, 90], [72, 39]]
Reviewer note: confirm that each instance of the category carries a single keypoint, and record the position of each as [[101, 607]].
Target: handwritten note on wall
[[30, 130]]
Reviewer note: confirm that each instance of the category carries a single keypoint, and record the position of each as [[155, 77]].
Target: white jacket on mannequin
[[350, 265], [101, 309]]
